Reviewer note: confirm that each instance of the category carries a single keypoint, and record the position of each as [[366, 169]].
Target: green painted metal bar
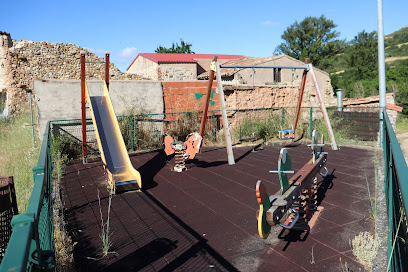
[[214, 132], [282, 117], [311, 122], [396, 189], [18, 250], [26, 243], [131, 132]]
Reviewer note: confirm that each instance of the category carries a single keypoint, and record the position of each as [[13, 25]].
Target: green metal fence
[[31, 246], [145, 131], [396, 191]]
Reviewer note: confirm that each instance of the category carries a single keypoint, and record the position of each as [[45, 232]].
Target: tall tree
[[362, 55], [312, 38], [184, 48]]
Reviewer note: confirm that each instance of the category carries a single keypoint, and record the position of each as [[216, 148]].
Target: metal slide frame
[[118, 167]]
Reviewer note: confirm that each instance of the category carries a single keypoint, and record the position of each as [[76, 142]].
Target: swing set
[[188, 149], [286, 134]]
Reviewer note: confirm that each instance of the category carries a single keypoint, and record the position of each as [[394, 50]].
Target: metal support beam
[[264, 66], [224, 116], [83, 113], [107, 69]]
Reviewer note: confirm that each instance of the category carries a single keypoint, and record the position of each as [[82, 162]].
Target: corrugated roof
[[183, 58]]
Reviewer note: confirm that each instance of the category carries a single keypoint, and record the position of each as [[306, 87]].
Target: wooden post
[[301, 91], [323, 108], [83, 108], [207, 97], [224, 116]]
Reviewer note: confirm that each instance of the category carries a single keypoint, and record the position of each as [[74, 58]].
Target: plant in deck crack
[[105, 231], [373, 202], [365, 248]]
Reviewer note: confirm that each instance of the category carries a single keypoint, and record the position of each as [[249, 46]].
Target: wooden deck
[[204, 219]]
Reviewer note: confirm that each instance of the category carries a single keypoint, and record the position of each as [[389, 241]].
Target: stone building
[[283, 79], [23, 61], [173, 67]]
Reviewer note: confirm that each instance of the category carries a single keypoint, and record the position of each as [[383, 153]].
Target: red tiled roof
[[170, 57]]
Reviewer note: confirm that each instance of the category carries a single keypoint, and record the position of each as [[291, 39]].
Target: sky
[[126, 28]]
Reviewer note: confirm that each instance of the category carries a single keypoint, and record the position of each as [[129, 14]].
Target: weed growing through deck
[[365, 248], [17, 155], [62, 241], [373, 202], [105, 231]]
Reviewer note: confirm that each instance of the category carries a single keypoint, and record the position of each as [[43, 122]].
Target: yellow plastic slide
[[110, 141]]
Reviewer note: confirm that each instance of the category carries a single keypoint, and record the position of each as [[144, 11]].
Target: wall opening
[[3, 105]]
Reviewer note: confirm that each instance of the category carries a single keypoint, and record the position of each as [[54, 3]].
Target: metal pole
[[207, 97], [381, 65], [224, 116], [32, 122], [339, 100], [83, 113], [107, 69]]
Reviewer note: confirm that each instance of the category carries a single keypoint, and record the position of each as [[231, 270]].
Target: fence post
[[214, 132], [282, 116], [131, 132], [311, 122]]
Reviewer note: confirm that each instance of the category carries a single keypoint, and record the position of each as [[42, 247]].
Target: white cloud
[[127, 54], [97, 52], [269, 23]]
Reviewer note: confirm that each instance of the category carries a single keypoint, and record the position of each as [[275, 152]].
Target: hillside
[[362, 80], [396, 44]]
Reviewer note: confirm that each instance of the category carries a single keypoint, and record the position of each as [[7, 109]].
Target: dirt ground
[[403, 140]]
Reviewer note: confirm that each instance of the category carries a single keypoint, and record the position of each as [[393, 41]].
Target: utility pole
[[381, 66]]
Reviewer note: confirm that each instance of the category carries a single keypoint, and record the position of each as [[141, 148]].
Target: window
[[277, 75]]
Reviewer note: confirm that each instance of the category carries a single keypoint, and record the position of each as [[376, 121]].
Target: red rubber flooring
[[204, 219]]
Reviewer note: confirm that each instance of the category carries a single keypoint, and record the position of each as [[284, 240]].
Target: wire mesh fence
[[145, 131]]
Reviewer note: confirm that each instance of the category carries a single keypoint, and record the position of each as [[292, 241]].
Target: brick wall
[[188, 96]]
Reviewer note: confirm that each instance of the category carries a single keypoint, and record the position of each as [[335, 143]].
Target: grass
[[402, 124], [17, 155], [62, 152], [105, 230]]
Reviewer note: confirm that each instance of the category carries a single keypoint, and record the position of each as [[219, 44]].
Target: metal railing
[[396, 192], [31, 246], [145, 131]]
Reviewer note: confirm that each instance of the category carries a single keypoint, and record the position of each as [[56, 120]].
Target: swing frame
[[308, 67]]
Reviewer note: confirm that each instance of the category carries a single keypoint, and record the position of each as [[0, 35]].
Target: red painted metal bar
[[107, 69], [83, 108], [299, 104], [207, 100]]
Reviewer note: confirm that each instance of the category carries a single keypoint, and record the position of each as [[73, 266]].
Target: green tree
[[362, 55], [184, 48], [312, 38]]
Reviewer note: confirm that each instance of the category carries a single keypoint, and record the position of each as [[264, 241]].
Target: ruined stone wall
[[177, 72], [28, 60]]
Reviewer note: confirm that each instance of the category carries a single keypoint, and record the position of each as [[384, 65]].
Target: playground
[[205, 218], [186, 205]]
